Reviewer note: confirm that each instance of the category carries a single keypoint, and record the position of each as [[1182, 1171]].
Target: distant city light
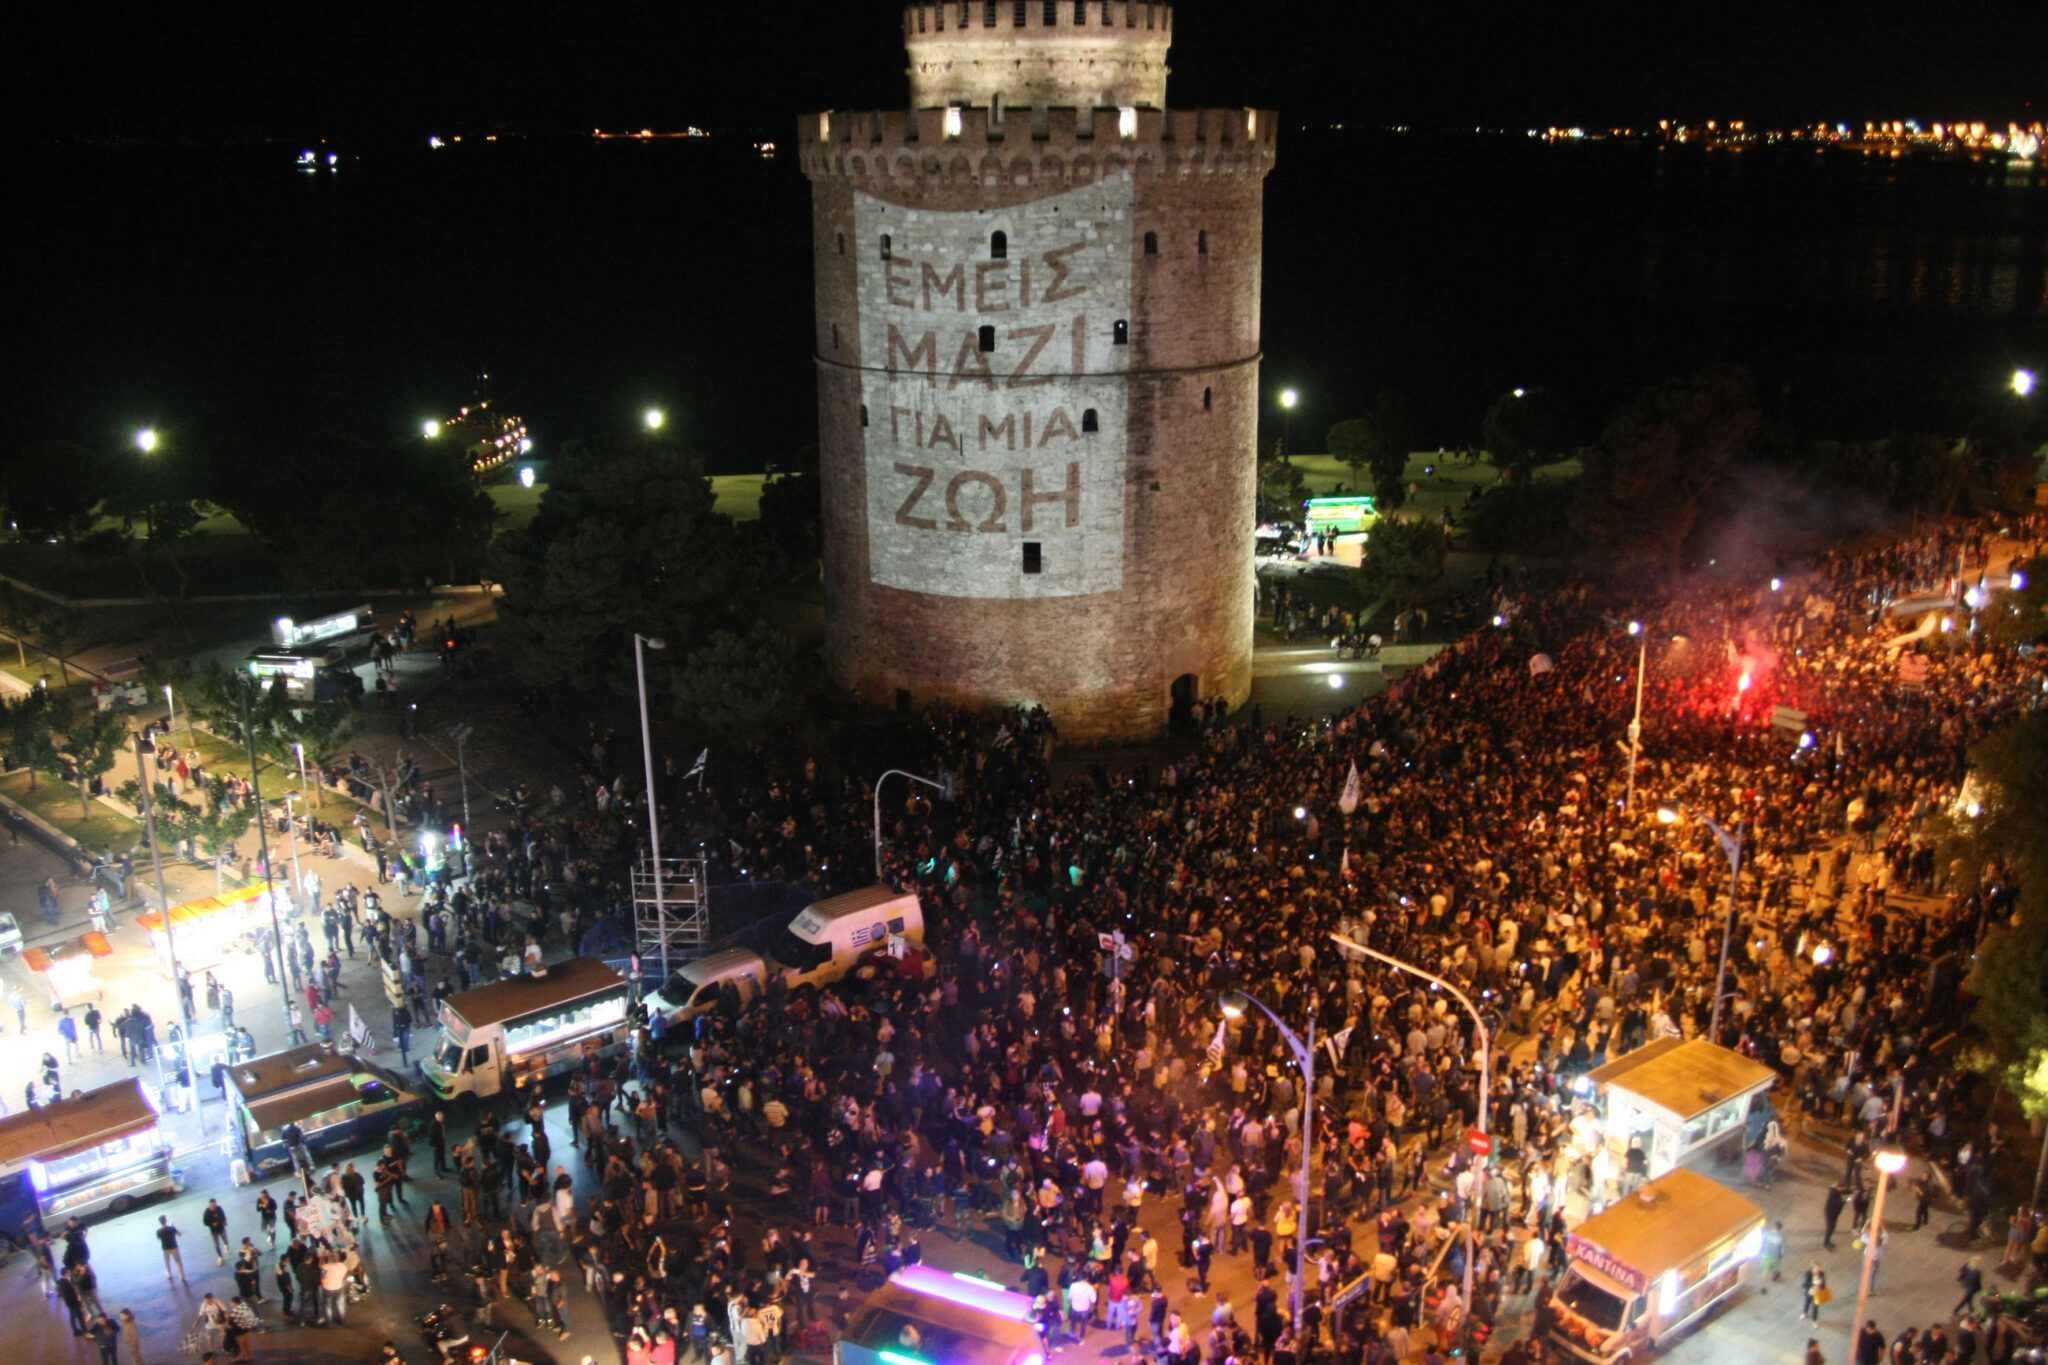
[[1634, 627], [435, 142], [1301, 812], [145, 439], [2023, 382], [526, 476], [654, 417]]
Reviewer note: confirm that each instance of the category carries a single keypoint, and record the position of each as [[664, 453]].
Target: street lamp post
[[943, 788], [156, 864], [461, 735], [1635, 725], [641, 643], [1731, 845], [1889, 1164], [291, 829], [1305, 1056], [1288, 398], [284, 988], [1484, 1039]]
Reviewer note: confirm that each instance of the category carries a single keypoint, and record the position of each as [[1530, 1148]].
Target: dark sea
[[221, 292]]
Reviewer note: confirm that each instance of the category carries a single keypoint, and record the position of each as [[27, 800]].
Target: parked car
[[10, 933]]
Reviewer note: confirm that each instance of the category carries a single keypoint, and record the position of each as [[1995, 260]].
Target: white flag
[[698, 766], [1348, 802], [1344, 867], [359, 1032], [1216, 1043]]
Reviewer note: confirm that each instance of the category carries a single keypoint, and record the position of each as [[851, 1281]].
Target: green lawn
[[739, 495], [57, 803]]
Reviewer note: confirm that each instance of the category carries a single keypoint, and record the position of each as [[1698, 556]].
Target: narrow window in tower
[[1148, 16], [986, 338], [842, 244], [863, 414], [988, 14], [1081, 11], [1151, 244], [920, 18], [1205, 400], [1130, 15], [998, 246], [1034, 562], [885, 246], [1051, 17], [1088, 420], [835, 336], [1120, 335], [1202, 242], [1017, 13], [1107, 22], [939, 17]]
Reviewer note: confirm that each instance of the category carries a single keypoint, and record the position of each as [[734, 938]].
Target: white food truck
[[824, 942], [1652, 1264], [497, 1036]]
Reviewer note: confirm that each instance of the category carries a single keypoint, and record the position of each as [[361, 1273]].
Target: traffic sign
[[1352, 1292], [1480, 1143]]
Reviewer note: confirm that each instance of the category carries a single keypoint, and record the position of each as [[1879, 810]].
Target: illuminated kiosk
[[76, 1157], [924, 1316], [1342, 515], [66, 969], [1679, 1095], [1651, 1264]]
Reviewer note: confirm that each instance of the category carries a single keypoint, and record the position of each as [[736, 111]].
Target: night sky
[[405, 69]]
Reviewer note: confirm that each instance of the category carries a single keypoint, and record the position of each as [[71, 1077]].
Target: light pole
[[1288, 398], [944, 787], [156, 864], [1304, 1054], [299, 749], [1635, 726], [461, 735], [284, 987], [1485, 1041], [171, 715], [291, 829], [1889, 1164], [1731, 844], [641, 643]]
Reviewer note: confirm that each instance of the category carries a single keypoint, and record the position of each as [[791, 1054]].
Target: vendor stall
[[1678, 1095], [99, 1150], [335, 1100], [207, 928], [66, 969]]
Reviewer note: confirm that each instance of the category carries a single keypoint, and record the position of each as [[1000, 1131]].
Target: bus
[[1341, 515]]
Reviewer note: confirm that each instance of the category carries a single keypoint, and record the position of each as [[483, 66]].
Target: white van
[[825, 941]]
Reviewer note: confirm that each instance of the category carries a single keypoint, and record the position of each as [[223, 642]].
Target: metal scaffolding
[[671, 918]]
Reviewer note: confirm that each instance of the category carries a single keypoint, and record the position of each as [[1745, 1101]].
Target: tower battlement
[[1037, 146], [1038, 52]]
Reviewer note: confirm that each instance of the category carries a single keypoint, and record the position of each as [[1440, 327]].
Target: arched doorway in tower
[[1181, 718]]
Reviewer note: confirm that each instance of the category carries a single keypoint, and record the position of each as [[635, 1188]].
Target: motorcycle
[[445, 1335]]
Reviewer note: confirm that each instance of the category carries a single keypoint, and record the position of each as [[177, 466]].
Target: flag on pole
[[359, 1032], [1216, 1043], [1348, 802], [1344, 867], [697, 768]]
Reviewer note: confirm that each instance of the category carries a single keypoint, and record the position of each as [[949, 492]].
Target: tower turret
[[1101, 53]]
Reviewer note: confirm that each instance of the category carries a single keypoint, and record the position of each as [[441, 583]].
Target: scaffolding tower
[[678, 925]]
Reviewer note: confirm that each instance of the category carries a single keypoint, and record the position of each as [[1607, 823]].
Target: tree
[[1379, 441], [32, 735], [1403, 557], [1282, 489], [2020, 618], [50, 490], [792, 509], [91, 741], [212, 825], [739, 688], [625, 540], [1644, 483], [1524, 429], [158, 491]]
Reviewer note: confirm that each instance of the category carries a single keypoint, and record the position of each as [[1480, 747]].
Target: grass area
[[516, 502], [57, 803], [739, 495]]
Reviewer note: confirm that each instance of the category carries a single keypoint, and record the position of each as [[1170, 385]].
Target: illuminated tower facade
[[1038, 362]]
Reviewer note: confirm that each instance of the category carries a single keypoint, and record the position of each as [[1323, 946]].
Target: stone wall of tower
[[1064, 517]]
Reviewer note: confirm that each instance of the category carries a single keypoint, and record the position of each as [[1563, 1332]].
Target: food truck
[[1679, 1095], [922, 1315], [308, 676], [338, 630], [527, 1027], [1651, 1265], [1341, 514], [101, 1150], [338, 1102]]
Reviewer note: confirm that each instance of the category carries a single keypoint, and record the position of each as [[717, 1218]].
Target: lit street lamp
[[429, 428], [654, 417], [641, 643], [1889, 1164], [1484, 1040], [1305, 1055], [145, 439], [1731, 845], [943, 786], [2023, 382], [1288, 398]]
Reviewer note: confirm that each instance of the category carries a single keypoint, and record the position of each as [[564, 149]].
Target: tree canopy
[[1524, 429], [1378, 441]]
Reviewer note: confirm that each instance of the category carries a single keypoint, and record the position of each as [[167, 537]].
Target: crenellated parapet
[[1037, 147], [1038, 52]]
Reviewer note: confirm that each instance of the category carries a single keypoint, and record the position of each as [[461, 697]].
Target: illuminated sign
[[968, 1292], [1606, 1262], [993, 345]]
